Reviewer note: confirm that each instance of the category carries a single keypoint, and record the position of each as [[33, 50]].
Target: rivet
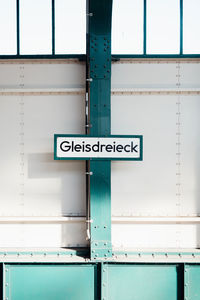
[[105, 255], [96, 244], [6, 284], [104, 270], [6, 270], [96, 255], [93, 251], [105, 244]]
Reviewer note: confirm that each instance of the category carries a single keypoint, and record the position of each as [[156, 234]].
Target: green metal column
[[99, 14]]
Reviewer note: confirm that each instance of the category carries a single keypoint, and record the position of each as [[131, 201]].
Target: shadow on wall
[[57, 187]]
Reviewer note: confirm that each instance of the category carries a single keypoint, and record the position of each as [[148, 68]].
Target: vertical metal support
[[53, 26], [104, 281], [181, 26], [18, 26], [186, 282], [6, 282], [145, 28], [99, 13]]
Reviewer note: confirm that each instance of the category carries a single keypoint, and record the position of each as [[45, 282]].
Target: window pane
[[70, 27], [163, 26], [35, 27], [127, 27], [191, 26], [8, 27]]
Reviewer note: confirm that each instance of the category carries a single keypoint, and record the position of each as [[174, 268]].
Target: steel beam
[[99, 13]]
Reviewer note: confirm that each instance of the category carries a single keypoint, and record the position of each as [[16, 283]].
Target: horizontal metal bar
[[157, 255], [81, 57], [41, 91], [155, 91], [119, 56], [40, 61], [156, 220], [115, 220], [81, 91], [40, 220]]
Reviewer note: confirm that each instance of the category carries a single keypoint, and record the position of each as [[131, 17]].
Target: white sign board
[[111, 148]]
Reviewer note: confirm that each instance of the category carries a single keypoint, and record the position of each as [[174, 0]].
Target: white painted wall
[[32, 183], [166, 182]]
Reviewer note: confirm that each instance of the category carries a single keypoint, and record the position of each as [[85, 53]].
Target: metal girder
[[99, 14]]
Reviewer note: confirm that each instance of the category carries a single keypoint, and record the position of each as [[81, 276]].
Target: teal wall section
[[52, 282], [145, 282], [192, 282]]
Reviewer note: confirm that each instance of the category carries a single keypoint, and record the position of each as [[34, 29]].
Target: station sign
[[83, 147]]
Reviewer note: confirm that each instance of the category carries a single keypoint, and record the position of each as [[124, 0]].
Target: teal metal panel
[[192, 282], [145, 282], [52, 282], [99, 87]]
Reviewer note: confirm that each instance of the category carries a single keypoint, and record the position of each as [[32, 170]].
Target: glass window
[[163, 26], [8, 37], [70, 27], [35, 27], [191, 26], [127, 27]]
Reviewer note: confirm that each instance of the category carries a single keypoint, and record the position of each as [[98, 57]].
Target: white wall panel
[[130, 75], [155, 236], [48, 235], [147, 187], [44, 74], [166, 182], [32, 183]]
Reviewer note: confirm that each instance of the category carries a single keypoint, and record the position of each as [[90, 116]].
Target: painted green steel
[[18, 26], [60, 282], [149, 56], [181, 27], [99, 72], [140, 137], [142, 281], [192, 282], [81, 57], [53, 26], [145, 28]]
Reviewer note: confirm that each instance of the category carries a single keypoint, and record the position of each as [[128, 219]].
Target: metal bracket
[[89, 173]]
